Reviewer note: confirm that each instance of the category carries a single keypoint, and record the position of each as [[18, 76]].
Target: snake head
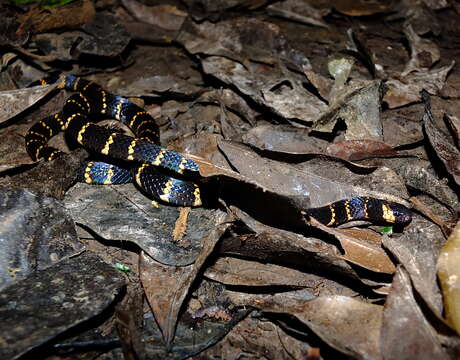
[[401, 214]]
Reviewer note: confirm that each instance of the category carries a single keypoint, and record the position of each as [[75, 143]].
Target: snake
[[361, 208], [143, 151], [160, 172]]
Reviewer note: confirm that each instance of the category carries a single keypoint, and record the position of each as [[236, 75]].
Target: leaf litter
[[284, 107]]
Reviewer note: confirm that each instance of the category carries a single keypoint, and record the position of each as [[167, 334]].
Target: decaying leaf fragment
[[361, 112], [424, 53], [35, 232], [13, 102], [407, 89], [241, 39], [443, 146], [340, 70], [299, 10], [454, 124], [268, 86], [256, 58], [167, 17], [94, 38]]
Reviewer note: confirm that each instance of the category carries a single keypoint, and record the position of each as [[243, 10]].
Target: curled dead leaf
[[449, 277]]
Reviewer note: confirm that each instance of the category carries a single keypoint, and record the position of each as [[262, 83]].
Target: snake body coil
[[142, 151]]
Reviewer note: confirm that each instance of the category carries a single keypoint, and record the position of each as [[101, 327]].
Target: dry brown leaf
[[163, 289], [424, 53], [347, 324], [129, 320], [407, 89], [420, 206], [417, 249], [320, 82], [241, 39], [454, 123], [354, 150], [299, 10], [441, 143], [13, 102], [360, 110], [271, 86], [402, 313], [289, 180], [260, 338], [310, 254], [361, 247], [360, 8], [174, 281], [234, 271], [167, 17], [71, 15], [284, 138]]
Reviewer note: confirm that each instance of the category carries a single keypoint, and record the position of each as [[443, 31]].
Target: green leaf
[[122, 267], [386, 230], [45, 4]]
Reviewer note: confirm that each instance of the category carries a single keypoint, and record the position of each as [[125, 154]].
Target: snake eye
[[402, 214]]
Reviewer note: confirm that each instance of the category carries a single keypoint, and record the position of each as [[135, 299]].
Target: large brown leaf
[[167, 286]]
